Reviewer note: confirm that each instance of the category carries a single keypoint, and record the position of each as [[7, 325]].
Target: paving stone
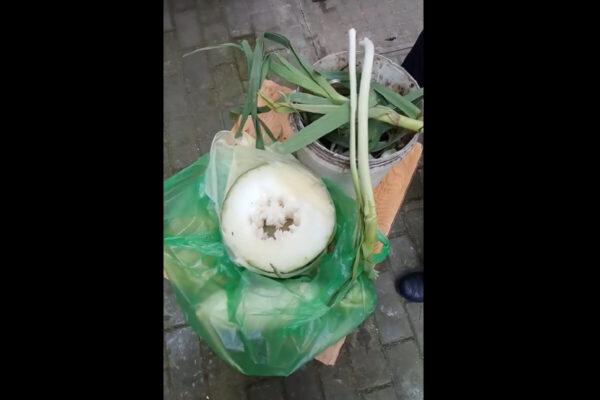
[[238, 18], [389, 21], [183, 5], [398, 20], [179, 131], [398, 57], [304, 383], [364, 29], [196, 72], [224, 382], [241, 65], [329, 5], [172, 315], [415, 313], [398, 226], [259, 5], [293, 3], [383, 266], [369, 11], [300, 40], [403, 256], [384, 21], [337, 380], [308, 53], [209, 14], [215, 33], [167, 19], [415, 190], [187, 379], [170, 54], [174, 95], [207, 124], [329, 36], [188, 31], [204, 101], [227, 121], [264, 21], [392, 319], [391, 26], [352, 8], [296, 34], [414, 223], [182, 134], [209, 3], [267, 389], [229, 87], [166, 163], [345, 19], [368, 362], [285, 15], [325, 26], [386, 393], [166, 385], [407, 368], [289, 16], [165, 357]]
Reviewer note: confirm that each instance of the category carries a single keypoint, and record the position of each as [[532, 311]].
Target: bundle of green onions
[[366, 230], [387, 109]]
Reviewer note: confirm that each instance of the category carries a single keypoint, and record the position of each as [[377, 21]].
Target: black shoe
[[411, 287]]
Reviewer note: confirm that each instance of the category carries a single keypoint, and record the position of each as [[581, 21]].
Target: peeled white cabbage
[[277, 218]]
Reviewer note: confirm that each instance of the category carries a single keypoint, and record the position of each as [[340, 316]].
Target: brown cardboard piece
[[278, 123]]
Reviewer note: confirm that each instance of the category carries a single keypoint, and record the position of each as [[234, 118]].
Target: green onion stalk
[[358, 232], [352, 71], [319, 96], [366, 189]]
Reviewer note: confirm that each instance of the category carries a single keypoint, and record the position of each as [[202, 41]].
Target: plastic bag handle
[[379, 257]]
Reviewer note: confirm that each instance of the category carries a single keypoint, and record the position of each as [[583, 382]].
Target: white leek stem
[[352, 71], [363, 148], [363, 121]]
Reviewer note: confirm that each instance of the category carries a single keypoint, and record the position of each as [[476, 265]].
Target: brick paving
[[383, 359]]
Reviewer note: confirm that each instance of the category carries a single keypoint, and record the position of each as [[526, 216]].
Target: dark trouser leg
[[413, 62], [411, 286]]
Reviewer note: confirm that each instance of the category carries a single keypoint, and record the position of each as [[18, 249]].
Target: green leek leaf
[[315, 130]]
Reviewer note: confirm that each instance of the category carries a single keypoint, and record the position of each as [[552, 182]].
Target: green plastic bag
[[258, 325]]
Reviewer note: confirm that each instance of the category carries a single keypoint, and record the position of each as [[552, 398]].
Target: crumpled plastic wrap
[[259, 325]]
